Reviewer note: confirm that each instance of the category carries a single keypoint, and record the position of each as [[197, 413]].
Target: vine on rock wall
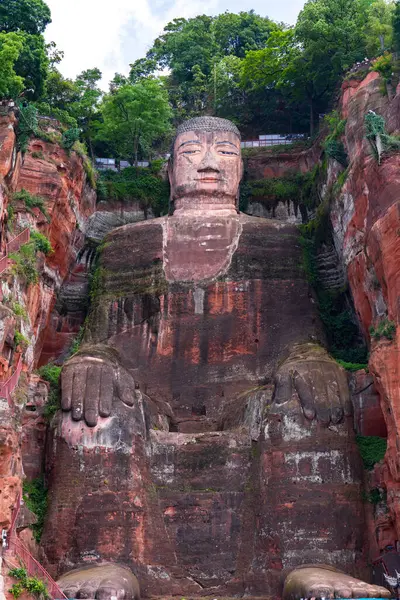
[[35, 497]]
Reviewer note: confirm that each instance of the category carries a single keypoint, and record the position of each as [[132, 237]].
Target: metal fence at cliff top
[[7, 387], [274, 139]]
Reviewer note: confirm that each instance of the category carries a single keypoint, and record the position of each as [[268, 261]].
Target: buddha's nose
[[209, 163]]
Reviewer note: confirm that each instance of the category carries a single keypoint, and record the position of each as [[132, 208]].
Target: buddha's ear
[[170, 168], [241, 169]]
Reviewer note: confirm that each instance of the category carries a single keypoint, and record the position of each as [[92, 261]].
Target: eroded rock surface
[[366, 221]]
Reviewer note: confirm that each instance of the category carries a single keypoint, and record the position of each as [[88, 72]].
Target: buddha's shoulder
[[141, 229]]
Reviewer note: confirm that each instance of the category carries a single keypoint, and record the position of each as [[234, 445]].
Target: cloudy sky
[[111, 34]]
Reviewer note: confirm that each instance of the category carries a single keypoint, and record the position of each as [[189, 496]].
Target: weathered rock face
[[34, 428], [366, 221], [59, 179], [193, 481], [110, 215]]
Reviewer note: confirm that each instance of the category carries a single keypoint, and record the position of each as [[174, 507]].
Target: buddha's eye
[[226, 152], [189, 152]]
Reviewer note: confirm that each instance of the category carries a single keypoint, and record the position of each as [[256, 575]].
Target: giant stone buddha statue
[[205, 443]]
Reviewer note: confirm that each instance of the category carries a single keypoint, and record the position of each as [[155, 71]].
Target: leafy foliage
[[32, 65], [25, 263], [352, 367], [136, 184], [88, 167], [134, 117], [380, 140], [69, 138], [396, 26], [31, 16], [375, 496], [27, 125], [11, 83], [340, 325], [372, 450], [52, 374], [19, 310], [385, 329], [35, 497], [42, 243], [384, 65], [20, 340], [30, 201]]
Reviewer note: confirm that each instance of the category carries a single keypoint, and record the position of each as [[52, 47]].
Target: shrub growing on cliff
[[385, 329], [35, 497], [384, 66], [135, 184], [351, 366], [42, 243], [88, 167], [19, 310], [333, 145], [30, 201], [52, 374], [32, 585], [372, 450], [20, 340], [69, 138], [25, 263], [380, 140], [27, 125]]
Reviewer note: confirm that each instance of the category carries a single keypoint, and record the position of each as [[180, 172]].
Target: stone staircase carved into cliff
[[330, 271], [17, 554]]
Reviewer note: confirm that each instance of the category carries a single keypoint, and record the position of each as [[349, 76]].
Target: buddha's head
[[206, 166]]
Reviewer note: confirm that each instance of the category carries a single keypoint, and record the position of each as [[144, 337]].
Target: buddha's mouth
[[209, 179]]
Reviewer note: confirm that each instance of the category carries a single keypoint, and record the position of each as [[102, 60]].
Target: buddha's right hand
[[90, 383]]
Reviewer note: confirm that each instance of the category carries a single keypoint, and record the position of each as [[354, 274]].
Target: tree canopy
[[31, 16], [134, 117]]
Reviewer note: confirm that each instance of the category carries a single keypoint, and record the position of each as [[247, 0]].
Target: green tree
[[86, 107], [192, 49], [332, 41], [396, 26], [378, 28], [134, 116], [31, 16], [281, 70], [236, 34], [11, 84], [32, 65], [60, 93]]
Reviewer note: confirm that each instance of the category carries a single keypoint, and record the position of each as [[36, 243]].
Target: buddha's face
[[206, 170]]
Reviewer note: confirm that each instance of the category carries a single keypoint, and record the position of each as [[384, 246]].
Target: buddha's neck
[[205, 205]]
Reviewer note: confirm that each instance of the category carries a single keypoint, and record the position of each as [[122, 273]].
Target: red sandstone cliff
[[366, 221], [48, 171]]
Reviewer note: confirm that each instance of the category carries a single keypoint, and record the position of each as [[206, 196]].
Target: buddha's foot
[[327, 582], [103, 582]]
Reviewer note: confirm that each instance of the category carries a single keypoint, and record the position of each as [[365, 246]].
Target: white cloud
[[110, 34]]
